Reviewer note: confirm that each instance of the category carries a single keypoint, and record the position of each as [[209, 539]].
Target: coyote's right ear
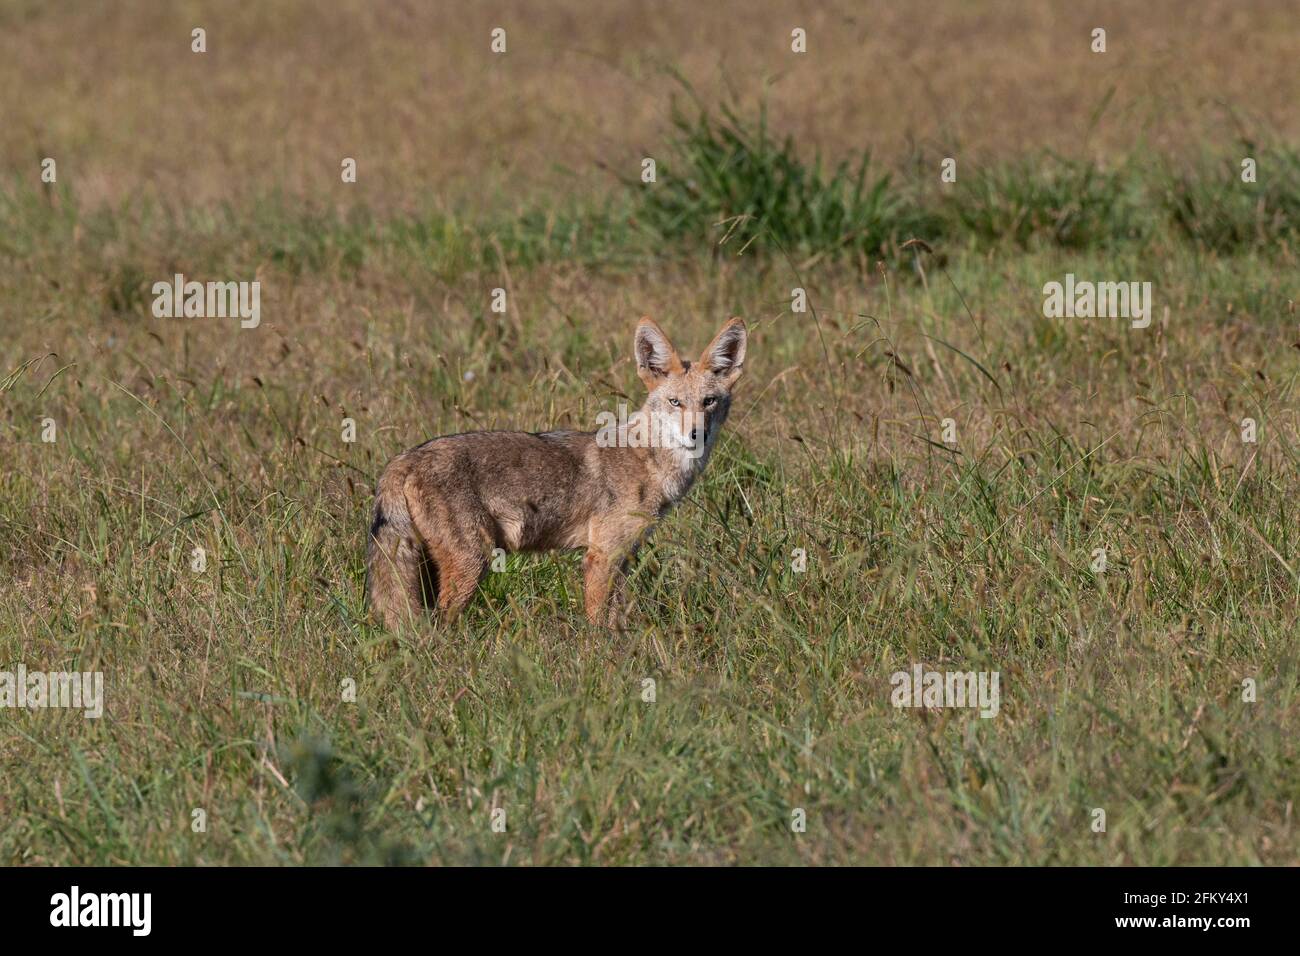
[[655, 355]]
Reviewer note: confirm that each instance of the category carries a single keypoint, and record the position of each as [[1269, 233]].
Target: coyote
[[441, 508]]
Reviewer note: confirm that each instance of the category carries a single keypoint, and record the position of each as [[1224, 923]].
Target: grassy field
[[229, 690]]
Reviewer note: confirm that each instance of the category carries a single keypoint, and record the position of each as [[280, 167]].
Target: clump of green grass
[[729, 180], [1073, 204], [1213, 207]]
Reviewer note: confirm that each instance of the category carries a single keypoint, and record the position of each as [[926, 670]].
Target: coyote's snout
[[441, 508]]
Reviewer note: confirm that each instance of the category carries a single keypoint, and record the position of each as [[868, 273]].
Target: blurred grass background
[[288, 88]]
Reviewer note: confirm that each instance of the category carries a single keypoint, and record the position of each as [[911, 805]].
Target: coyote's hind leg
[[458, 539]]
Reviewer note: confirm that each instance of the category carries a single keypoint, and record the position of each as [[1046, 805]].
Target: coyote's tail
[[394, 555]]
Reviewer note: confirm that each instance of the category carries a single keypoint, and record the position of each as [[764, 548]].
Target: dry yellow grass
[[411, 90]]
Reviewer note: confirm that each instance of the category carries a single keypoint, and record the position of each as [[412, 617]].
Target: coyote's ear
[[725, 356], [655, 355]]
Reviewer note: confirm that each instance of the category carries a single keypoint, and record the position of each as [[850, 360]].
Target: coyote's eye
[[708, 401], [674, 403]]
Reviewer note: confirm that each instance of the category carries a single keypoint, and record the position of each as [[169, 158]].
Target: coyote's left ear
[[725, 356]]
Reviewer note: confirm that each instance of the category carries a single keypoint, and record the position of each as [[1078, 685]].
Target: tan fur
[[441, 508]]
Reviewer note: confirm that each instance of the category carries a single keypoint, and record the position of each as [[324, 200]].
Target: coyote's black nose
[[693, 431]]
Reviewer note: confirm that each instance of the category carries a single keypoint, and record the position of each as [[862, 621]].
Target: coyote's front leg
[[598, 585], [604, 570], [605, 586]]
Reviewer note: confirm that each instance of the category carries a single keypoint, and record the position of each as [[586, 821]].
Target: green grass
[[1054, 201], [726, 184], [728, 181], [224, 689], [1210, 205]]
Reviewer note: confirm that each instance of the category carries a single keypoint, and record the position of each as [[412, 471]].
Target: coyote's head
[[688, 402]]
